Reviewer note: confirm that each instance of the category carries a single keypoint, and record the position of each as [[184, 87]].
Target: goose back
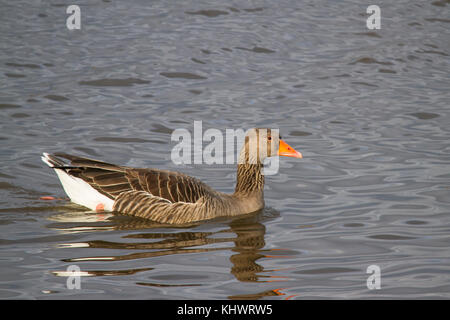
[[112, 180]]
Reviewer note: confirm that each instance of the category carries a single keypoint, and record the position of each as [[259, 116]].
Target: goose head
[[261, 143]]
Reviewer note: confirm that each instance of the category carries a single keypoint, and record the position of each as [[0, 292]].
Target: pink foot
[[47, 198], [100, 207]]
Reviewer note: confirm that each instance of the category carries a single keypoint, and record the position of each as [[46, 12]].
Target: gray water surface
[[369, 110]]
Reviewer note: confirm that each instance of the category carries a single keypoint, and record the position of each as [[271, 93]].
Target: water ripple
[[368, 109]]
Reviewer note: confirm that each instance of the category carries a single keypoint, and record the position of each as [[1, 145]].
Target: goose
[[169, 197]]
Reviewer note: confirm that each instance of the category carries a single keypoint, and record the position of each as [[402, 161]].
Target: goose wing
[[112, 180]]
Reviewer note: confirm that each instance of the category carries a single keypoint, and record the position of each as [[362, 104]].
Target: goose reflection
[[243, 237]]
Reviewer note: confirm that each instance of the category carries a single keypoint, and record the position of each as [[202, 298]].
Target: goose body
[[168, 196]]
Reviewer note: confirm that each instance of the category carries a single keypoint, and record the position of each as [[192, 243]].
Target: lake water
[[369, 110]]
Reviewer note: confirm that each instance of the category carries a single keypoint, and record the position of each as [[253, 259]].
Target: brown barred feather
[[111, 180]]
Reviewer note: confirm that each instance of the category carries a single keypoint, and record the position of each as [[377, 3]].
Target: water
[[369, 110]]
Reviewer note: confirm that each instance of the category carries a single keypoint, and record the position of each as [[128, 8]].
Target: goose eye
[[269, 138]]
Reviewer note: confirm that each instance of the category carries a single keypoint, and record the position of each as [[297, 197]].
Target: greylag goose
[[167, 196]]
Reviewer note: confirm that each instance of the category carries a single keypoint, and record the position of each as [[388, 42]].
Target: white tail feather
[[79, 191], [45, 159]]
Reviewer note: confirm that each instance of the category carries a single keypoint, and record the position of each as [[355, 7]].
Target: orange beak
[[286, 150]]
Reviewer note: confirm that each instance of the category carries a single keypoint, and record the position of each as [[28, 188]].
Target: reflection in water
[[244, 237], [248, 242], [92, 273]]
